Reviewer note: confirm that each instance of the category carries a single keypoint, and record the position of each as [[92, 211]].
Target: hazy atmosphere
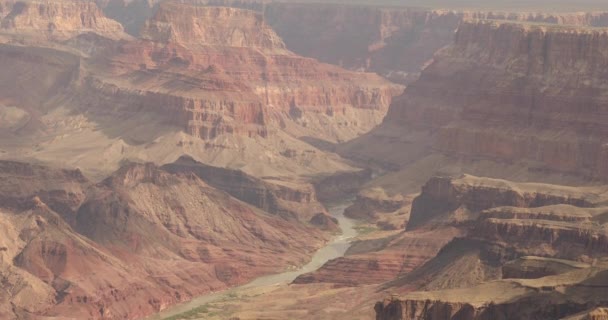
[[313, 160]]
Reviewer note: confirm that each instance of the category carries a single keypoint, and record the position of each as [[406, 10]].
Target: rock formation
[[211, 26], [514, 231], [237, 98], [275, 87], [131, 245], [57, 19], [537, 105]]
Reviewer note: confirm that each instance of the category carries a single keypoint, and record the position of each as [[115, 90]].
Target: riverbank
[[336, 248]]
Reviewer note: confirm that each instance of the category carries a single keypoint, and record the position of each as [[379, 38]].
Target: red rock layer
[[238, 77], [505, 224]]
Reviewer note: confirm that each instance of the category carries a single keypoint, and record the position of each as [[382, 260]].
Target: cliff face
[[394, 42], [249, 76], [211, 26], [59, 19], [540, 220], [5, 7], [546, 83], [131, 245], [515, 93]]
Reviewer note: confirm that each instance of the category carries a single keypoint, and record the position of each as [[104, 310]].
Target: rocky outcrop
[[528, 219], [530, 267], [325, 222], [556, 297], [427, 310], [60, 19], [538, 232], [133, 244]]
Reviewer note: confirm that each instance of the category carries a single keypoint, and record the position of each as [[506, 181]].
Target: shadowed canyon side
[[133, 244], [393, 42]]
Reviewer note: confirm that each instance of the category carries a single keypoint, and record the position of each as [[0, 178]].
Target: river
[[334, 249]]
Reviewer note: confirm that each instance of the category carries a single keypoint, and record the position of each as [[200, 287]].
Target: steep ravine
[[336, 248]]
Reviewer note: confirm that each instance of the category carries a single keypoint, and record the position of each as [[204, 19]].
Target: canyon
[[215, 151], [506, 100]]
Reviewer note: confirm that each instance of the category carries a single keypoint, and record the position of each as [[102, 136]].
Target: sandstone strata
[[274, 87]]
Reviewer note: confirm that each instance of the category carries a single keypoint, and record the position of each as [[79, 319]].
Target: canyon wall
[[242, 59], [512, 93], [242, 97], [395, 42], [529, 249]]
